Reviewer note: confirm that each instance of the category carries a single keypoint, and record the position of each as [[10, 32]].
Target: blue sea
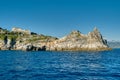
[[51, 65]]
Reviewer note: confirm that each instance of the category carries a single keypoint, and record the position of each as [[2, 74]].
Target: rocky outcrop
[[20, 39], [77, 41], [28, 47], [6, 44]]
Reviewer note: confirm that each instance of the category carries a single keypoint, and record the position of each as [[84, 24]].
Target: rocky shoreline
[[19, 39]]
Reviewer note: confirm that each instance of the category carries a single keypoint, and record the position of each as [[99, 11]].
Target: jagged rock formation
[[76, 41], [19, 39]]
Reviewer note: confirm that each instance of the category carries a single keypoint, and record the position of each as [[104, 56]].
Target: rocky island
[[19, 39]]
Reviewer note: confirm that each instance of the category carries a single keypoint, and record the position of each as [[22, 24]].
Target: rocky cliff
[[75, 41], [18, 39]]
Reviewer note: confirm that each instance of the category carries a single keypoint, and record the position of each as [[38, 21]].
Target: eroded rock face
[[6, 44], [26, 47], [76, 41]]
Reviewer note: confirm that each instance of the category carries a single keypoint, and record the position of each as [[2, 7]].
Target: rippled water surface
[[19, 65]]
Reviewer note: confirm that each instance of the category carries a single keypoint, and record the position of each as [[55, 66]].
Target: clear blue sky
[[59, 17]]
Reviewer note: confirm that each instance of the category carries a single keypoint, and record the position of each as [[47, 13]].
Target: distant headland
[[20, 39]]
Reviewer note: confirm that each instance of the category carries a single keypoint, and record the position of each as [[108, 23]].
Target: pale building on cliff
[[19, 30]]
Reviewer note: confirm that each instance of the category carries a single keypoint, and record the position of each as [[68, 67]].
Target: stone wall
[[19, 30]]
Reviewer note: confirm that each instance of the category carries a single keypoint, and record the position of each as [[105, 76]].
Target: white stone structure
[[21, 30]]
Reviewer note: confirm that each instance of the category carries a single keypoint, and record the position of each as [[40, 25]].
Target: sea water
[[64, 65]]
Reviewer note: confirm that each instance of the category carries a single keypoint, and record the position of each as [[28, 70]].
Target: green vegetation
[[33, 37], [9, 35], [40, 37], [2, 36]]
